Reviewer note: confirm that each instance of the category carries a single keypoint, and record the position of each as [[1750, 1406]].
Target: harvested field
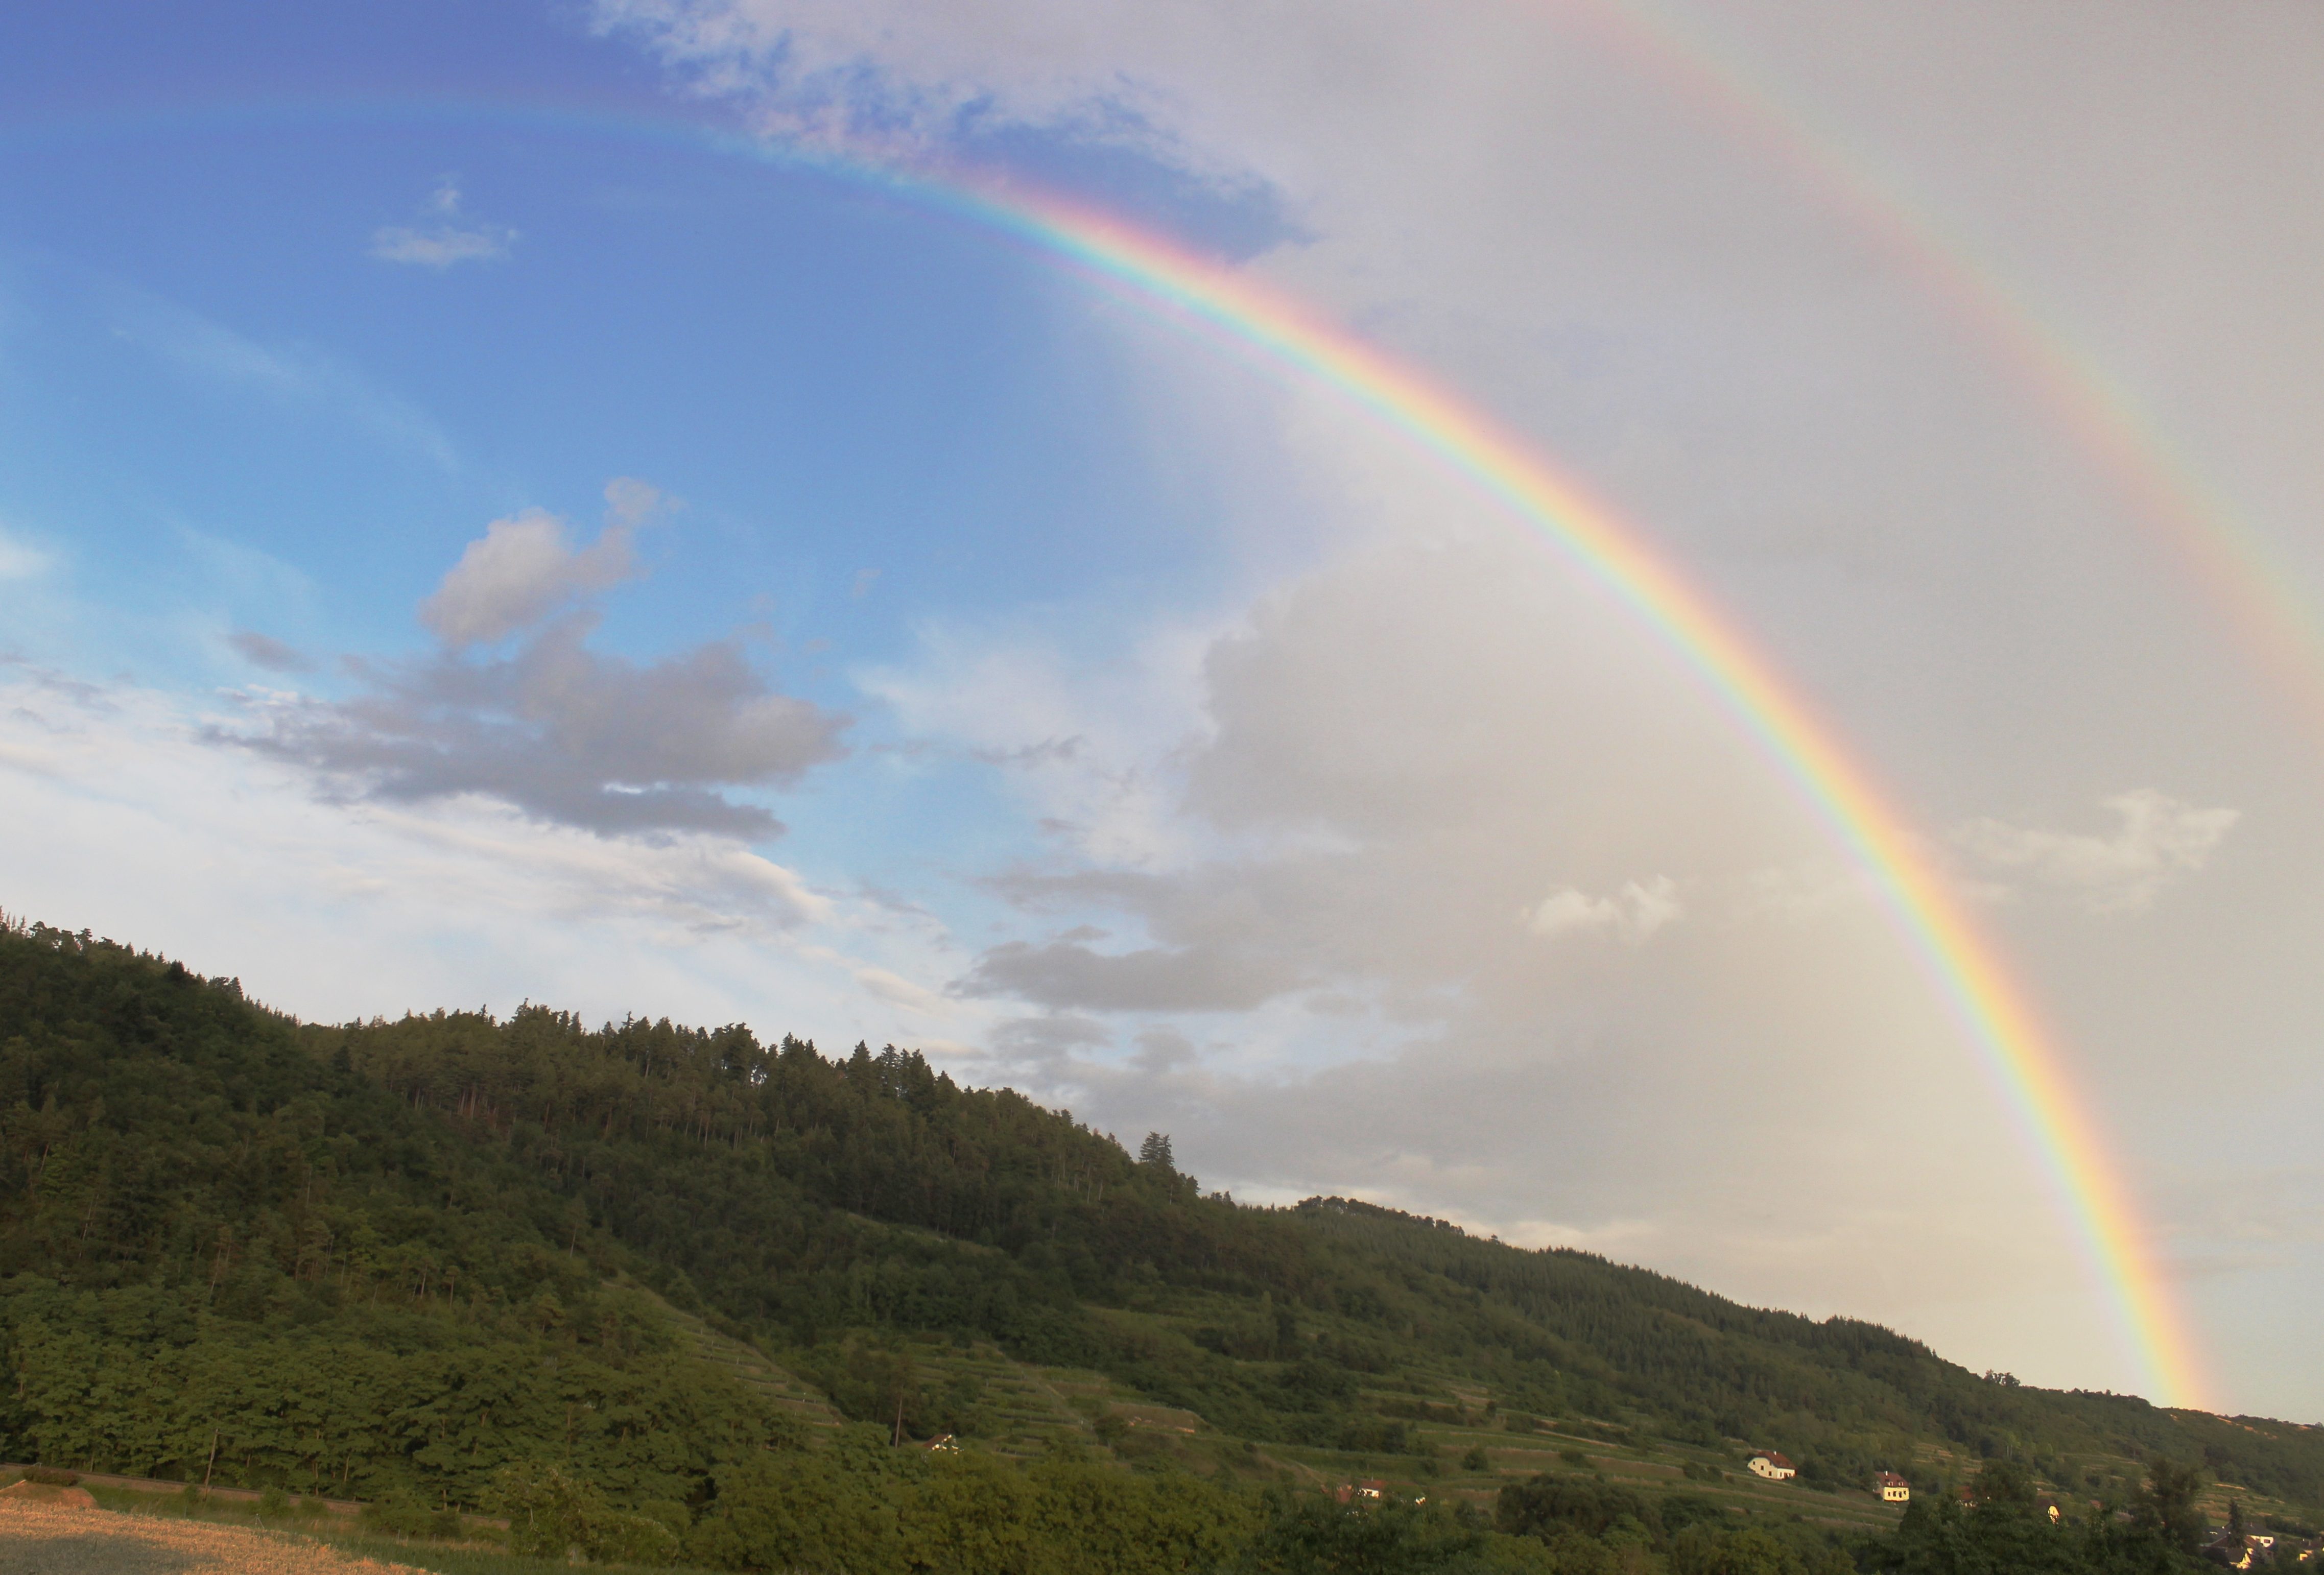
[[53, 1535]]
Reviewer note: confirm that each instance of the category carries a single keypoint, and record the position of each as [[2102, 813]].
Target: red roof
[[1774, 1460], [1890, 1479]]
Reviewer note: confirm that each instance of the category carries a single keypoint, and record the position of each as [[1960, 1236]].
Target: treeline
[[800, 1196], [862, 1505]]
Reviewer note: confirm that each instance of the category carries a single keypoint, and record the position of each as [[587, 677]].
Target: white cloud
[[2159, 840], [444, 243], [1633, 913], [335, 910]]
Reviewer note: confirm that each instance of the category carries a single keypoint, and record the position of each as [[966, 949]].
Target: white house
[[1768, 1463], [1893, 1489]]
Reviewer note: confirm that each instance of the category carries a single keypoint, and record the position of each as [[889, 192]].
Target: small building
[[1893, 1489], [944, 1444], [1768, 1463], [2228, 1552], [2240, 1553], [1365, 1490]]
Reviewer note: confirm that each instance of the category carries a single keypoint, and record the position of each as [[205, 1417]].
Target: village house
[[1367, 1490], [1768, 1463], [1893, 1489], [2233, 1552]]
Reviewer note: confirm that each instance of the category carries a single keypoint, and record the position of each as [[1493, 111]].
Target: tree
[[2166, 1503], [2001, 1481], [1156, 1152]]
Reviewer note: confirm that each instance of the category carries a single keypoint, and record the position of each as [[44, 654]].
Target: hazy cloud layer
[[1067, 974]]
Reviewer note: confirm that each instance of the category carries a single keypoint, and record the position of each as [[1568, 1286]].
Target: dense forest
[[451, 1261]]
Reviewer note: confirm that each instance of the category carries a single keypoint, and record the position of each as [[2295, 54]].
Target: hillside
[[395, 1259]]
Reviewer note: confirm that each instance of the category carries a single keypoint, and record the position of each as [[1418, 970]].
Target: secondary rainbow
[[2259, 600], [1993, 1013]]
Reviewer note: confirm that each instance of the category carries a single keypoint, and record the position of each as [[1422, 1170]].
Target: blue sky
[[489, 512]]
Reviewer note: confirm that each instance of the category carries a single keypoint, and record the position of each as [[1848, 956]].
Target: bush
[[405, 1517], [551, 1513], [274, 1503], [50, 1476]]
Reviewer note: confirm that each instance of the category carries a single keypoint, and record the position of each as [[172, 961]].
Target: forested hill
[[391, 1258]]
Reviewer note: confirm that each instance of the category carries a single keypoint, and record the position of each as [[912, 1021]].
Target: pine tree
[[1156, 1151]]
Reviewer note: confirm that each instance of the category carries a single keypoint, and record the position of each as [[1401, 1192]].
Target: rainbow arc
[[1994, 1014]]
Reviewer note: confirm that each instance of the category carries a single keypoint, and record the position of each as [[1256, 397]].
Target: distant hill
[[388, 1259]]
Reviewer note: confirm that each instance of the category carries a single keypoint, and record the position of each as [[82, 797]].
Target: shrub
[[274, 1503], [551, 1513], [50, 1476], [405, 1517]]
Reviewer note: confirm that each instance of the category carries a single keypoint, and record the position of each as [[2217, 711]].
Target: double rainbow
[[2023, 1063]]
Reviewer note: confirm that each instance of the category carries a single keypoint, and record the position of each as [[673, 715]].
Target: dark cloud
[[260, 651], [566, 733], [1067, 974]]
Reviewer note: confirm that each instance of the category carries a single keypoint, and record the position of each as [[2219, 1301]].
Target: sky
[[535, 500]]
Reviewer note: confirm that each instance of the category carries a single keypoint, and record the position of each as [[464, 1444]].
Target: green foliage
[[2002, 1530], [228, 1258], [1547, 1505], [402, 1261], [862, 1507], [1310, 1536], [551, 1513]]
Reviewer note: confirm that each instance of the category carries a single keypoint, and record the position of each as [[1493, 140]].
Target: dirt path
[[57, 1537]]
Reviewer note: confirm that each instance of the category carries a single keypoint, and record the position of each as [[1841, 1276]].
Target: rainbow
[[2256, 596], [2024, 1064], [1989, 1005]]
